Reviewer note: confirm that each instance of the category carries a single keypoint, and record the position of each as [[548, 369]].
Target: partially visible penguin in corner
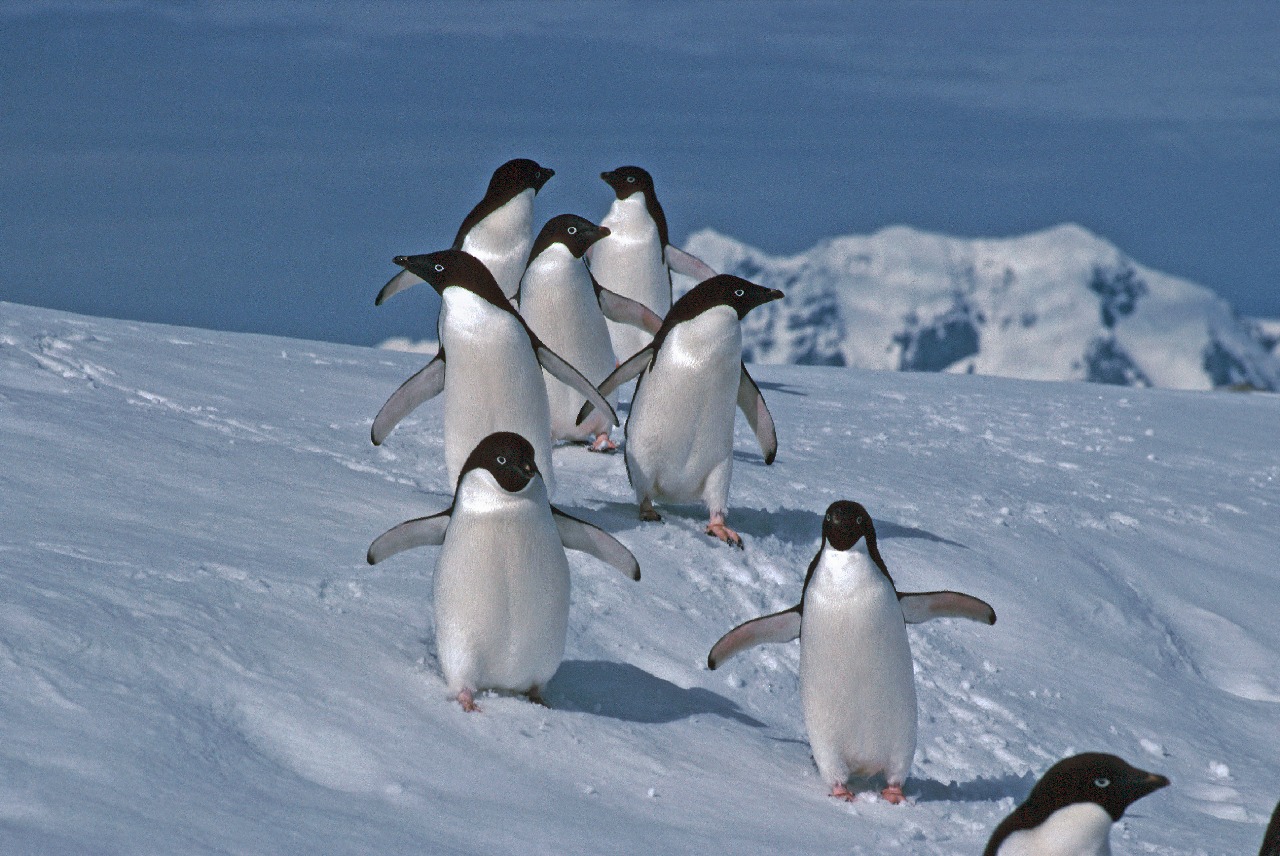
[[501, 583], [1070, 810], [679, 433], [857, 676], [499, 230], [636, 259], [567, 308]]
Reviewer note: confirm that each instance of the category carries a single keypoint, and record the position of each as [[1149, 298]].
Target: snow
[[195, 657]]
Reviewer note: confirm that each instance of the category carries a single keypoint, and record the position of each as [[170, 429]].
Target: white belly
[[681, 423], [631, 261], [493, 382], [559, 304], [503, 239], [1081, 829], [856, 678], [501, 589]]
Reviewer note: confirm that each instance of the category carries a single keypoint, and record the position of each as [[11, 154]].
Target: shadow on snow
[[626, 692]]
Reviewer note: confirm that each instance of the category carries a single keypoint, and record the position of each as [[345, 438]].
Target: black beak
[[401, 260]]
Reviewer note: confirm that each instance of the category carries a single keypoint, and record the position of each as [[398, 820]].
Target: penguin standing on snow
[[491, 378], [1070, 810], [636, 259], [680, 428], [566, 307], [502, 581], [857, 681], [499, 230]]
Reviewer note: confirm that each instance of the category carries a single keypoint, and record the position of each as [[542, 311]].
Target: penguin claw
[[717, 529], [840, 792], [647, 513], [468, 702], [893, 795], [602, 444]]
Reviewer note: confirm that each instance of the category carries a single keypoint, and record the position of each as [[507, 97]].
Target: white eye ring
[[631, 179], [739, 293], [858, 520], [572, 230], [439, 268], [1102, 782], [501, 460]]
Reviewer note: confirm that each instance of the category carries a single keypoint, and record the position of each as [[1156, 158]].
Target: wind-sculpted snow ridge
[[196, 658], [1062, 304]]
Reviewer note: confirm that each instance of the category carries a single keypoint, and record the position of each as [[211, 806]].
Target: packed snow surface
[[195, 657]]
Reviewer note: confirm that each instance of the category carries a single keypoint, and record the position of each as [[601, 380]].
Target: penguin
[[501, 588], [499, 230], [637, 258], [679, 434], [1271, 840], [566, 307], [1070, 810], [857, 683], [491, 377]]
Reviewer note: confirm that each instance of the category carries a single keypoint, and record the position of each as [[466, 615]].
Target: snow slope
[[1062, 304], [195, 658]]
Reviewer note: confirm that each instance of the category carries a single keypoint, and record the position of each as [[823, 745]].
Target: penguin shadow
[[981, 789], [628, 693], [889, 529], [784, 388]]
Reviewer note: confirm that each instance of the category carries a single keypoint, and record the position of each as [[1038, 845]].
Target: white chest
[[502, 240], [1081, 829], [629, 222]]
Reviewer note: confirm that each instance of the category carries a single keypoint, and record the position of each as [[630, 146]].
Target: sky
[[255, 166]]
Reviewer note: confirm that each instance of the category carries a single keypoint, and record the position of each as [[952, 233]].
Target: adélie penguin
[[499, 230], [679, 434], [501, 586], [636, 259], [1070, 810], [489, 366], [566, 307], [857, 682]]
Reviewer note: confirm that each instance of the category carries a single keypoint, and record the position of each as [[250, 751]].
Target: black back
[[1094, 777], [508, 456], [845, 524], [576, 233], [626, 180], [508, 181]]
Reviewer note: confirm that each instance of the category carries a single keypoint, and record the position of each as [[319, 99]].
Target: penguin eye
[[858, 520], [1102, 782], [501, 460], [572, 230], [739, 293], [830, 518], [439, 268], [631, 179]]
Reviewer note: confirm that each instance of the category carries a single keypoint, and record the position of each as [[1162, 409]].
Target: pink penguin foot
[[840, 792], [717, 529], [893, 794], [468, 701], [603, 444]]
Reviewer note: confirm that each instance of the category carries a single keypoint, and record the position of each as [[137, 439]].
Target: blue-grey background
[[255, 165]]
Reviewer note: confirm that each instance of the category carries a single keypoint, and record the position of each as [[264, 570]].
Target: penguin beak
[[401, 260], [602, 232], [774, 294]]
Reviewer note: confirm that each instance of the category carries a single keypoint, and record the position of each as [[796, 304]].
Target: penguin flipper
[[779, 627], [579, 535], [688, 264], [922, 606], [397, 284], [568, 375], [426, 384], [623, 373], [419, 532], [624, 310], [758, 417]]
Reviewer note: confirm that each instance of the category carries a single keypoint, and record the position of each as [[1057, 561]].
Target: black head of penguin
[[444, 268], [507, 456], [845, 524], [1095, 777], [626, 180], [722, 290], [516, 176], [576, 233]]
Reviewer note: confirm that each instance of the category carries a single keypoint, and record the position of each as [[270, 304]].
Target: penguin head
[[1095, 777], [626, 180], [845, 524], [516, 176], [451, 267], [508, 457], [734, 292], [576, 233]]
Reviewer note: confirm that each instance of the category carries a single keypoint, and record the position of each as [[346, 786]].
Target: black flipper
[[568, 375], [779, 627], [419, 532], [424, 385], [623, 373], [580, 535]]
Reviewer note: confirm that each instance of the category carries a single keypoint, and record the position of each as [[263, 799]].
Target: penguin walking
[[499, 230], [636, 259], [491, 378], [501, 588], [680, 429], [566, 307], [857, 683], [1070, 810]]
